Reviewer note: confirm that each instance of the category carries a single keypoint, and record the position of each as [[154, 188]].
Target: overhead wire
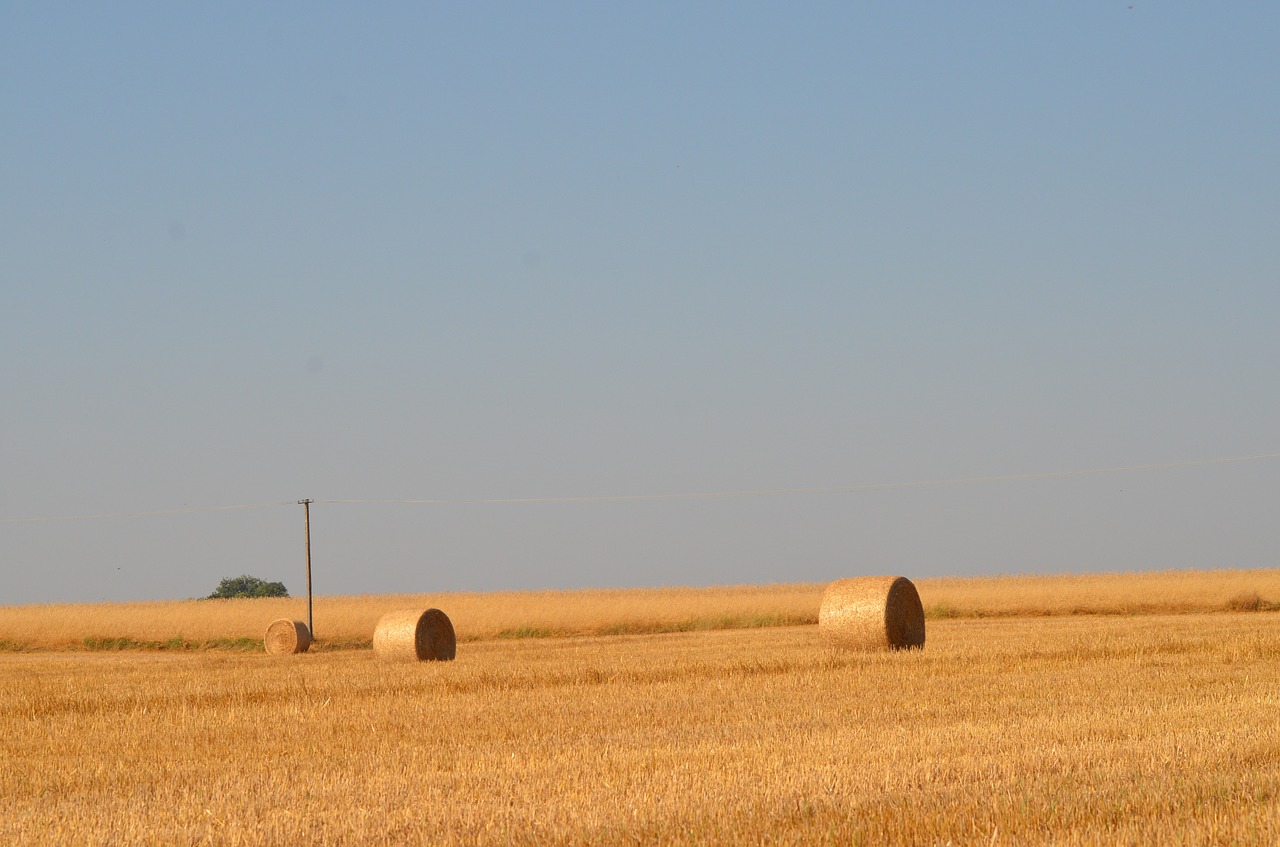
[[673, 496], [183, 510], [839, 489]]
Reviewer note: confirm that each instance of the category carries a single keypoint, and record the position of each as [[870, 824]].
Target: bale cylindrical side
[[423, 635], [286, 636], [872, 613]]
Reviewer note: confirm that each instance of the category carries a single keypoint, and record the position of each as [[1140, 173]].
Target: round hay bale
[[872, 613], [424, 635], [286, 636]]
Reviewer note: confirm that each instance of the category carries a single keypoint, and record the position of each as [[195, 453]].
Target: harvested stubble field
[[1066, 729]]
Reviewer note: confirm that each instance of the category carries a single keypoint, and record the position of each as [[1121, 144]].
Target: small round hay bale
[[286, 636], [424, 635], [872, 613]]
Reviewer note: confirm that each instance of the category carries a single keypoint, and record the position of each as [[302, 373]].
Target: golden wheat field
[[1025, 720], [344, 622]]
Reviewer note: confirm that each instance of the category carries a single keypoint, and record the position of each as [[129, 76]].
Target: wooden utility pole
[[306, 525]]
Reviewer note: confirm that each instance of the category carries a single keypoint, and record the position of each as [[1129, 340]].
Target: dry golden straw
[[286, 636], [872, 613], [424, 635]]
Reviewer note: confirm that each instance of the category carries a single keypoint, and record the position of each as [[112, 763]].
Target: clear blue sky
[[251, 253]]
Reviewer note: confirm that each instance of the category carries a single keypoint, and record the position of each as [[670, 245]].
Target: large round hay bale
[[286, 636], [872, 613], [424, 635]]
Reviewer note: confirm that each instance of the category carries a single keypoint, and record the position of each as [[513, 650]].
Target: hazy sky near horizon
[[258, 253]]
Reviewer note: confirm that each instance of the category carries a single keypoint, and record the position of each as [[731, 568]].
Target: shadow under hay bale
[[285, 636], [423, 635], [872, 613]]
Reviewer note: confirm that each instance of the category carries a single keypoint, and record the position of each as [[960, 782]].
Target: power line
[[689, 495], [841, 489], [152, 514]]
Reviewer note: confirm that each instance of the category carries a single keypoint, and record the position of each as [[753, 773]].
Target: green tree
[[248, 586]]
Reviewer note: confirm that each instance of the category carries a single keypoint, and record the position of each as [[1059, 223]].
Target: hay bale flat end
[[285, 636]]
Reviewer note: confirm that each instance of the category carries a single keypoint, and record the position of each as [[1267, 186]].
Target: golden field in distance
[[1070, 730], [350, 621]]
